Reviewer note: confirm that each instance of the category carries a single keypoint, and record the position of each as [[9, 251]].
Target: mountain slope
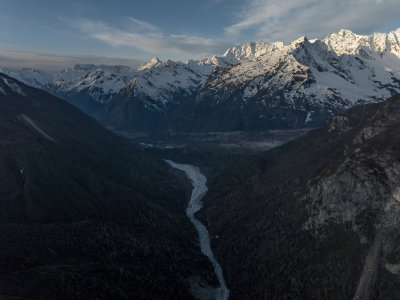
[[316, 218], [154, 92], [82, 213]]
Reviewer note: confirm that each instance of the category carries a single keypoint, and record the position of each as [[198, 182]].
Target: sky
[[53, 34]]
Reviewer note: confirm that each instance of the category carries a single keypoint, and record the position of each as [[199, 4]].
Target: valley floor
[[234, 141]]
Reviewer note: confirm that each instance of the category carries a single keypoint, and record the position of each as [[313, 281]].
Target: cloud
[[287, 20], [150, 39], [53, 63], [143, 25]]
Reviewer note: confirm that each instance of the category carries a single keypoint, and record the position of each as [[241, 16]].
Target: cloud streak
[[143, 25], [286, 20], [152, 40]]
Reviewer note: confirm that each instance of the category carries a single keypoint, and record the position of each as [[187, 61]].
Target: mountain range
[[255, 85]]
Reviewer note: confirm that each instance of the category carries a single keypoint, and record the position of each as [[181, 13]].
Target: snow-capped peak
[[347, 42], [295, 43], [346, 32], [251, 50], [163, 81], [154, 62]]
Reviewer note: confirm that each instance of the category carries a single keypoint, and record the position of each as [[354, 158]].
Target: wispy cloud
[[287, 20], [143, 25], [150, 39], [51, 62]]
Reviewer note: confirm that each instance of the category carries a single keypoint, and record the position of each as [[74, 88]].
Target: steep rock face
[[83, 214], [369, 177], [317, 218]]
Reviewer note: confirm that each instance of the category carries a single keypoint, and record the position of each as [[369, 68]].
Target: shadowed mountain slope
[[83, 214], [316, 218]]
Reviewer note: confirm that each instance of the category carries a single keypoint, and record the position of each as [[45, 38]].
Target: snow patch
[[13, 86], [31, 123], [308, 118]]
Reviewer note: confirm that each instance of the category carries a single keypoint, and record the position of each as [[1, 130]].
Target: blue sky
[[53, 33]]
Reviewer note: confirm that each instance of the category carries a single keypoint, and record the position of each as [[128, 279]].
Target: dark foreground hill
[[83, 215], [317, 218]]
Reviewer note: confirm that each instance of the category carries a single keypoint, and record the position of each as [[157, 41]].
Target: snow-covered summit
[[251, 50], [163, 81], [100, 82], [154, 62], [347, 42]]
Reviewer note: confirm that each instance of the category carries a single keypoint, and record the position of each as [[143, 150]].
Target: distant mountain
[[155, 91], [83, 214], [100, 83], [252, 86], [316, 218]]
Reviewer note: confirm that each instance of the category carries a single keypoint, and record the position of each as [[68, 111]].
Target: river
[[195, 204]]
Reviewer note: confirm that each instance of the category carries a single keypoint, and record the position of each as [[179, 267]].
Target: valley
[[278, 218], [238, 141], [279, 187]]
